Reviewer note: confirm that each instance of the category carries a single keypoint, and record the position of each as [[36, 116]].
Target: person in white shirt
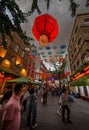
[[65, 106]]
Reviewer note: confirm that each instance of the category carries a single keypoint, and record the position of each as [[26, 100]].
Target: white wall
[[82, 91], [76, 90], [87, 90]]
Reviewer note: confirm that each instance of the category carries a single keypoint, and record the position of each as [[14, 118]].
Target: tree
[[59, 70], [10, 19], [13, 22], [73, 6]]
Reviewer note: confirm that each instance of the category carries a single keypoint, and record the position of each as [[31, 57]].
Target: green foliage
[[42, 80], [59, 70], [73, 6], [48, 3], [84, 81], [80, 69], [11, 23], [87, 3], [34, 7]]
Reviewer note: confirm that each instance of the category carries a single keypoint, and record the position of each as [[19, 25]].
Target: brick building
[[13, 56], [78, 50]]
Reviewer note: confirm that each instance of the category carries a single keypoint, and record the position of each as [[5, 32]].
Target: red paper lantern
[[61, 59], [32, 56], [45, 29]]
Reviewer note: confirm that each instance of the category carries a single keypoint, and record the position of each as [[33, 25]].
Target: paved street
[[48, 119]]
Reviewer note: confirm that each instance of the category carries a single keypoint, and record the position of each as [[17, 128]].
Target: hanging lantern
[[45, 29], [23, 72], [31, 57], [6, 63], [18, 61], [43, 40], [61, 59]]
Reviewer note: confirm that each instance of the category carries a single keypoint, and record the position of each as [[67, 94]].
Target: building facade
[[13, 56], [78, 48]]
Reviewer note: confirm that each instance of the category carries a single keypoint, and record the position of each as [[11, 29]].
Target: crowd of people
[[25, 99], [15, 100]]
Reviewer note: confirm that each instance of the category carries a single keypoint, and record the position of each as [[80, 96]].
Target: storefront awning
[[22, 80], [84, 81], [18, 80]]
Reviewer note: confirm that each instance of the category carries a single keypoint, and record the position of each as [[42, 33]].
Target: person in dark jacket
[[31, 109], [7, 94], [44, 96]]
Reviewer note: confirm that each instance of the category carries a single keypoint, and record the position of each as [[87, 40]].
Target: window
[[73, 39], [83, 58], [13, 59], [76, 30], [78, 90], [72, 56], [74, 50], [78, 64], [86, 21], [87, 50], [79, 41], [29, 62], [85, 91], [0, 42], [17, 48], [74, 67], [23, 54]]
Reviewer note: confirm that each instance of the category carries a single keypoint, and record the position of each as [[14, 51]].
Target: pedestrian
[[7, 94], [31, 110], [65, 107], [11, 111], [59, 107], [44, 96], [25, 99]]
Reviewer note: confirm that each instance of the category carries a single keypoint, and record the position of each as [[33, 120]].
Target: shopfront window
[[85, 91]]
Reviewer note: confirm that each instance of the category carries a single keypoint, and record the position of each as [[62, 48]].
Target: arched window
[[83, 58], [76, 30], [17, 48], [85, 91], [79, 41], [86, 21]]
